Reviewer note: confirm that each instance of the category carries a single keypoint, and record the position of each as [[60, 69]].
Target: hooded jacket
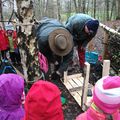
[[4, 44], [75, 25], [92, 114], [43, 102], [11, 90]]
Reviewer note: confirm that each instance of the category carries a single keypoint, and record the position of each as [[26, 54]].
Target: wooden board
[[75, 85]]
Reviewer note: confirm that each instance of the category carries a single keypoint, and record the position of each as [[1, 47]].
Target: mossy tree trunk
[[27, 41]]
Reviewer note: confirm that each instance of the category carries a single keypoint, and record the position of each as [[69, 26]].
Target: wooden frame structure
[[78, 85]]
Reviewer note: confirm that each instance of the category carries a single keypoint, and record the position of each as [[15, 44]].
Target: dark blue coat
[[75, 24], [45, 28]]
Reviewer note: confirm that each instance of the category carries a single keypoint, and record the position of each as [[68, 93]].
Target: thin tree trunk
[[79, 5], [112, 9], [1, 15], [94, 9], [83, 4], [87, 9], [107, 9], [76, 8], [68, 9], [58, 5], [27, 41], [118, 16]]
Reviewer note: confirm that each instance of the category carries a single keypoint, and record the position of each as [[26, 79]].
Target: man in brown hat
[[56, 43]]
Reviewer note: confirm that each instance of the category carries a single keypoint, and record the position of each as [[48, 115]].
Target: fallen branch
[[108, 29]]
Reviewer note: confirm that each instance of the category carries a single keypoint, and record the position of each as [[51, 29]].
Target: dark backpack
[[6, 67]]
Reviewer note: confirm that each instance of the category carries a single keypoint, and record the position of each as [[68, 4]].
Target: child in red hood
[[13, 48], [4, 44], [43, 102]]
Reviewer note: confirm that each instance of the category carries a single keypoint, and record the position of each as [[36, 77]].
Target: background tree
[[1, 13], [118, 9]]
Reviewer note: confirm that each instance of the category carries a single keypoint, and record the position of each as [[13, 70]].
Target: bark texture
[[27, 40]]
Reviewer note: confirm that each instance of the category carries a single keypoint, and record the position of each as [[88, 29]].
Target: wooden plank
[[106, 68], [77, 97], [68, 85], [78, 81], [74, 84], [74, 76], [81, 80], [75, 89], [85, 85], [65, 77]]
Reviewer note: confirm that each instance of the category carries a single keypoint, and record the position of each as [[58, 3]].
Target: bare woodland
[[62, 9]]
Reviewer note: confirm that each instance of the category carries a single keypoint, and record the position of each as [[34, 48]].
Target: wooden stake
[[106, 68], [85, 86]]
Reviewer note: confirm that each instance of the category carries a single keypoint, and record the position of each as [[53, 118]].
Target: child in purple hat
[[106, 100], [11, 91]]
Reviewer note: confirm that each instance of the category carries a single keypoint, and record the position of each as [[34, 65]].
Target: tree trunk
[[79, 5], [118, 9], [1, 15], [76, 8], [94, 9], [112, 9], [68, 6], [58, 5], [27, 42], [107, 9], [87, 9], [50, 10], [83, 4]]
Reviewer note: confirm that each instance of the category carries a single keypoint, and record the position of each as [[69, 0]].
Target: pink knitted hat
[[106, 94]]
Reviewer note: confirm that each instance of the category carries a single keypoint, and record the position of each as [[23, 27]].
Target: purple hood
[[11, 90]]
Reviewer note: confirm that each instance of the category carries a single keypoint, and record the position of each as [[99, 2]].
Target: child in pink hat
[[106, 100]]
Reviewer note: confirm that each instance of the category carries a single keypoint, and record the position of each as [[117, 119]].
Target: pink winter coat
[[4, 44], [92, 114]]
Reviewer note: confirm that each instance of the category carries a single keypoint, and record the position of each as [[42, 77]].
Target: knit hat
[[92, 25], [106, 94], [43, 102], [11, 91]]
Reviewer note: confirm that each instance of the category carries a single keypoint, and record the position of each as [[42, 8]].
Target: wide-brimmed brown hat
[[60, 42]]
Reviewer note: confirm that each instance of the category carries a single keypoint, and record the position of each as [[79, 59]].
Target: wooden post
[[65, 77], [106, 68], [85, 86]]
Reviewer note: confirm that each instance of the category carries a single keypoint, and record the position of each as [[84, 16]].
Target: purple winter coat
[[11, 90]]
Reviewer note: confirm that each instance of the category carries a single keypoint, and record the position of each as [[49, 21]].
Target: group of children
[[8, 42], [43, 102]]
